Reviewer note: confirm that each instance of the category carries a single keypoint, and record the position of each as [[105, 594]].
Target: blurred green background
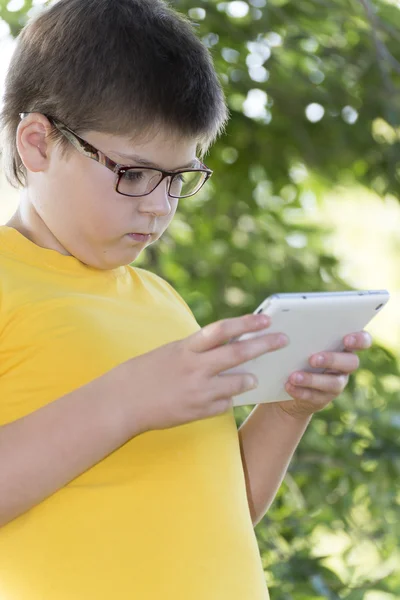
[[304, 198]]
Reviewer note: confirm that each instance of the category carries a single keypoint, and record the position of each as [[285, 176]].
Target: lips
[[140, 237]]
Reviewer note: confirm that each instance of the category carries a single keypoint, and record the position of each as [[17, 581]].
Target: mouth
[[140, 237]]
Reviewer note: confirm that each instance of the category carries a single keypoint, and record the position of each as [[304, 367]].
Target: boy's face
[[70, 203]]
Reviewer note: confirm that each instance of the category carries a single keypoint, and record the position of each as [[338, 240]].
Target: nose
[[157, 202]]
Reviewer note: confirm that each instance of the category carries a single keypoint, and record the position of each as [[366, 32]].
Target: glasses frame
[[118, 169]]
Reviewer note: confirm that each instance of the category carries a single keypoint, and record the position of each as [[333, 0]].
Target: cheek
[[87, 189]]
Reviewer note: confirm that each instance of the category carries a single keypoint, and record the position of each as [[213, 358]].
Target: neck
[[28, 222]]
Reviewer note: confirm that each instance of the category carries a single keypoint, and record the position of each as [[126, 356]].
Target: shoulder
[[162, 287], [8, 282]]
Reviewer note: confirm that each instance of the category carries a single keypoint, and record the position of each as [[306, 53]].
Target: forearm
[[268, 439], [43, 451]]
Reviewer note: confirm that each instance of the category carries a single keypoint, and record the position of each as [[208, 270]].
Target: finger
[[330, 384], [218, 333], [313, 400], [228, 385], [235, 354], [361, 340], [343, 362], [219, 406]]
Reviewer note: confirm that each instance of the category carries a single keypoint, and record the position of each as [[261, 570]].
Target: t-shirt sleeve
[[2, 316], [179, 298], [176, 296]]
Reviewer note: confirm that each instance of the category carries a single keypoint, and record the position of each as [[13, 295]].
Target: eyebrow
[[146, 163]]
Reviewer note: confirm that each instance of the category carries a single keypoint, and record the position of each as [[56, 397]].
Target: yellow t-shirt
[[163, 517]]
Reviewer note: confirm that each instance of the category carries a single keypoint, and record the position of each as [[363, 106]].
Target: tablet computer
[[314, 322]]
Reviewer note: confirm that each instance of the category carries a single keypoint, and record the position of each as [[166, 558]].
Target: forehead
[[157, 148]]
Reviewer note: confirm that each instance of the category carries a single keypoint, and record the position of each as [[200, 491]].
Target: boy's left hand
[[316, 390]]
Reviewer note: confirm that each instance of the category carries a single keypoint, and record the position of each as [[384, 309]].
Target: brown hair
[[113, 66]]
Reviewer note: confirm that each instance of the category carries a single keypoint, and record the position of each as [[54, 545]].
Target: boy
[[122, 474]]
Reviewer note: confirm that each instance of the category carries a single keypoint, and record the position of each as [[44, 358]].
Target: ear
[[33, 143]]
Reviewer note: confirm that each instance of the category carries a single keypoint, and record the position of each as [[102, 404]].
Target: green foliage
[[244, 237]]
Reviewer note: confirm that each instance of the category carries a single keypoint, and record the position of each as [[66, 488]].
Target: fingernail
[[251, 382], [351, 340], [298, 378], [319, 360], [283, 339], [367, 338], [263, 319]]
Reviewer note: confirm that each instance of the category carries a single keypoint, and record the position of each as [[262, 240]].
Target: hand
[[185, 381], [316, 391]]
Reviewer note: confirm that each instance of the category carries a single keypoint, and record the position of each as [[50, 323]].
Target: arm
[[48, 448], [43, 451], [270, 435], [268, 439]]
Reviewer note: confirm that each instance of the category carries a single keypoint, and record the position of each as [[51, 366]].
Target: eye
[[133, 175], [180, 177]]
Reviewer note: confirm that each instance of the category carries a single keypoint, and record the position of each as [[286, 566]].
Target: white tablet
[[314, 322]]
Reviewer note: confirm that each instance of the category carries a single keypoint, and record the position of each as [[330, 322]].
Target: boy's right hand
[[184, 381]]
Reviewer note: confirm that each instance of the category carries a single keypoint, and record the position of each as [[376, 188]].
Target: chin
[[133, 256], [109, 265]]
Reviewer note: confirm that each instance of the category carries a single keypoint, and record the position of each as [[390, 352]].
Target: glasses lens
[[138, 182], [187, 183]]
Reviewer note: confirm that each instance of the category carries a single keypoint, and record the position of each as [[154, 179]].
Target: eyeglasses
[[139, 181]]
